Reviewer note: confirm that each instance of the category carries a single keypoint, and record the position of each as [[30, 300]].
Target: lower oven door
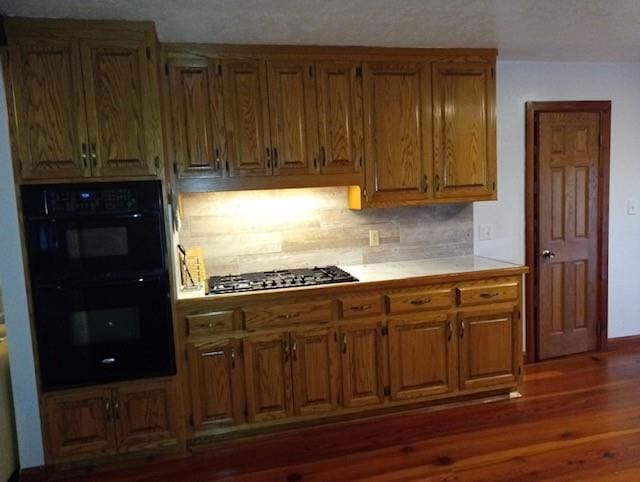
[[92, 333]]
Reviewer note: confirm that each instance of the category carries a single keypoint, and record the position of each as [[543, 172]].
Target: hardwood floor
[[579, 419]]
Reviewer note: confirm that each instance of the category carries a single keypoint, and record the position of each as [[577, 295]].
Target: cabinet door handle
[[275, 157], [211, 353], [217, 151], [449, 331], [462, 329], [233, 358], [285, 347], [323, 155], [437, 182], [84, 154], [419, 302], [268, 156], [294, 350], [94, 155], [425, 185], [288, 316], [116, 409], [315, 163], [360, 308], [489, 295], [107, 409], [344, 343]]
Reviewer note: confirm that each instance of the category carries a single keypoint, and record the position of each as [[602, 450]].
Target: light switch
[[485, 232], [632, 206], [374, 237]]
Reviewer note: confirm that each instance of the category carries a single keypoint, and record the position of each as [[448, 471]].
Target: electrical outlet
[[632, 207], [374, 237], [485, 232]]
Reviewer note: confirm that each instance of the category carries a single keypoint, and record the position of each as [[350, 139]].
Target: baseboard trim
[[623, 342]]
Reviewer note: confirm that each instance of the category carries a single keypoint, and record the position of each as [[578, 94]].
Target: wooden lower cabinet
[[96, 422], [267, 360], [80, 424], [216, 382], [422, 356], [487, 354], [316, 365], [362, 363]]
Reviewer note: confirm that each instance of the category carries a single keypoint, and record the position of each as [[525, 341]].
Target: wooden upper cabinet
[[397, 132], [122, 113], [246, 109], [51, 127], [79, 424], [215, 375], [292, 110], [340, 116], [464, 130], [422, 356], [197, 117], [267, 361], [362, 363], [315, 370], [143, 415], [487, 348]]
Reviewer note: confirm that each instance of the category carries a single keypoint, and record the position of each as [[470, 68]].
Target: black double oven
[[99, 281]]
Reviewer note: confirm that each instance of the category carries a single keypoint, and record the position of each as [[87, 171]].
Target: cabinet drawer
[[277, 315], [357, 306], [490, 292], [426, 299], [208, 323]]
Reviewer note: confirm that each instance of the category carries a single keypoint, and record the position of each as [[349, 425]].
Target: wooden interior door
[[362, 363], [464, 129], [197, 117], [486, 348], [315, 370], [422, 356], [397, 108], [80, 424], [124, 136], [292, 110], [143, 415], [340, 116], [267, 361], [217, 391], [568, 225], [246, 109], [49, 106]]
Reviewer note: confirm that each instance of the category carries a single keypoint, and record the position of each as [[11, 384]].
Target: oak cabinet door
[[197, 117], [340, 117], [246, 110], [362, 363], [397, 108], [315, 370], [422, 356], [464, 130], [292, 110], [487, 354], [143, 415], [49, 107], [80, 424], [267, 361], [122, 108], [215, 376]]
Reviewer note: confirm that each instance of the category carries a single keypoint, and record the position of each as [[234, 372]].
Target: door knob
[[548, 254]]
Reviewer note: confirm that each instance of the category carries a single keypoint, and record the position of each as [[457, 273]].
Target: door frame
[[532, 110]]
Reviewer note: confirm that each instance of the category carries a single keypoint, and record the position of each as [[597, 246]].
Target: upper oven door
[[95, 246], [99, 332]]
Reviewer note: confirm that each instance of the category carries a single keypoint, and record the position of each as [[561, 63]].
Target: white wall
[[16, 311], [519, 82]]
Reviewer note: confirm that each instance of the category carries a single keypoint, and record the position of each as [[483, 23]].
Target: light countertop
[[389, 271]]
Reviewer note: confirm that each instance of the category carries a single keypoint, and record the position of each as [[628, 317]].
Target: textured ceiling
[[604, 30]]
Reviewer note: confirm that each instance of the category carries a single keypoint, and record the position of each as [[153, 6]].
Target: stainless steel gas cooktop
[[271, 280]]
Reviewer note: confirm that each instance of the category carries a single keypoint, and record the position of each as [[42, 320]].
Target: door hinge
[[387, 391], [358, 71], [191, 422], [385, 330], [166, 69], [148, 50]]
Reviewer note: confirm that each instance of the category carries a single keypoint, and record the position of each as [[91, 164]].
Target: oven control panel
[[89, 200]]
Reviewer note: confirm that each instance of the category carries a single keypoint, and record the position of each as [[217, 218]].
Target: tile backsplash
[[279, 229]]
